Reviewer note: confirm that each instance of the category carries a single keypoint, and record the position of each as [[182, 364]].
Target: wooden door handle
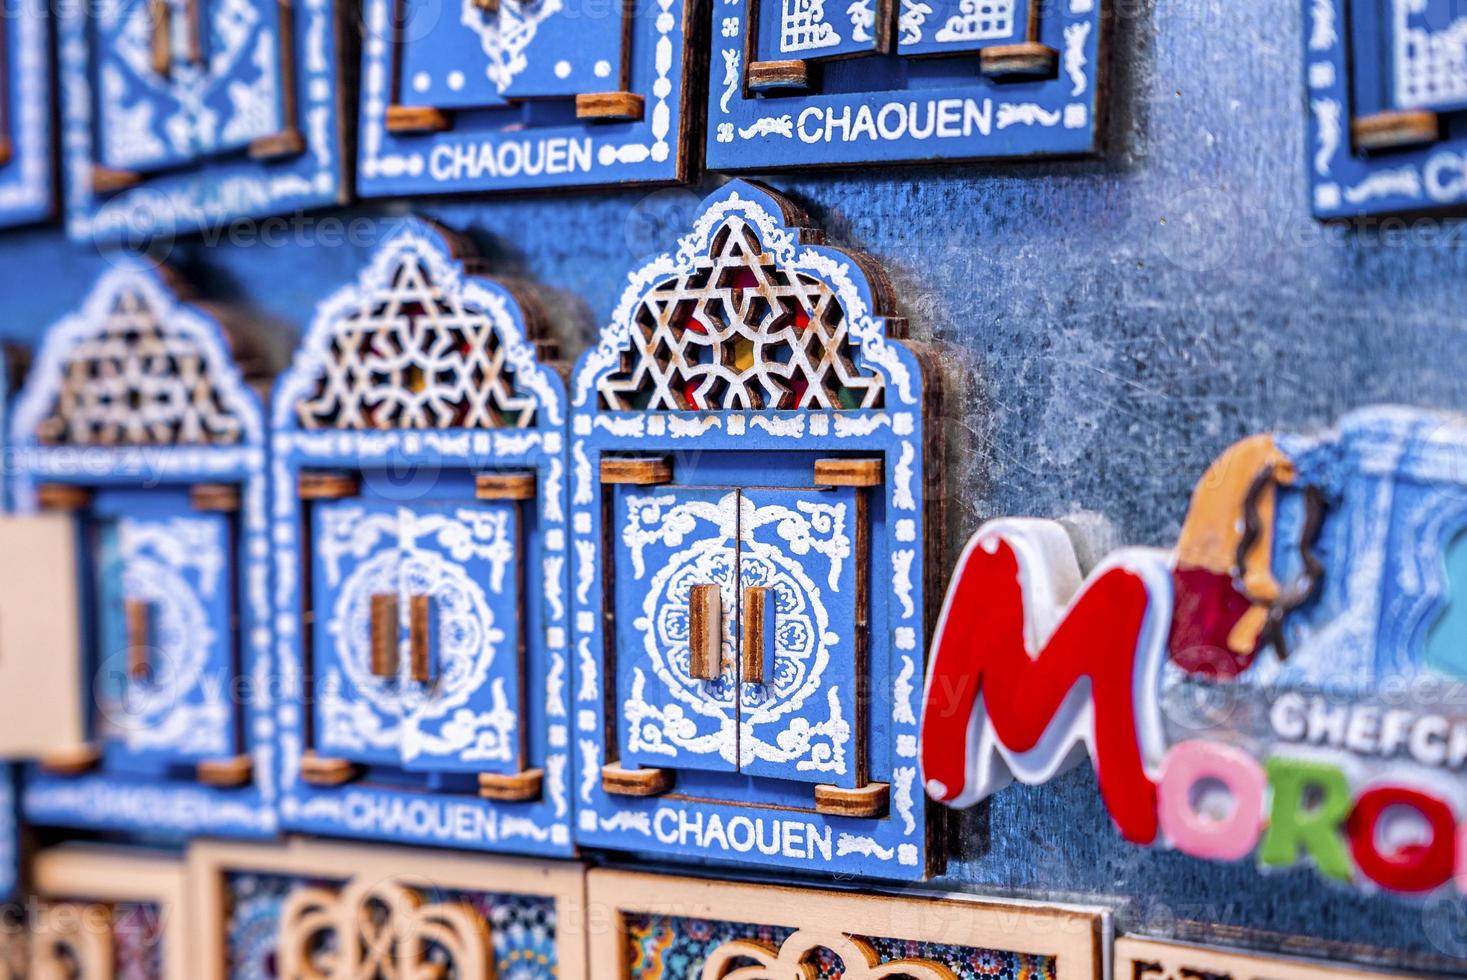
[[138, 615], [705, 632], [420, 632], [161, 42], [757, 625], [384, 635]]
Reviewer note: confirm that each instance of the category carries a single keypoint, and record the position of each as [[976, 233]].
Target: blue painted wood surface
[[28, 178], [894, 108], [1111, 325]]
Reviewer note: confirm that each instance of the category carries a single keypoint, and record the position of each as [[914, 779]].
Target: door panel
[[460, 577], [182, 79], [166, 664], [451, 56], [801, 546], [357, 711], [668, 542], [565, 55]]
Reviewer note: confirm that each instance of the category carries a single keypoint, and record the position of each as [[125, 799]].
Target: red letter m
[[1030, 669]]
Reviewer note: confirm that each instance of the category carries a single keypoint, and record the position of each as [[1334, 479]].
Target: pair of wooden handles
[[705, 633], [384, 636]]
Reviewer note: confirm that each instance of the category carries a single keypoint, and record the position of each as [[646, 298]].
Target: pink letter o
[[1186, 765]]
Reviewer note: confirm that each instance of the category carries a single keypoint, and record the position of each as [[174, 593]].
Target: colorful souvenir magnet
[[801, 83], [1387, 87], [319, 909], [187, 114], [108, 912], [1314, 592], [27, 157], [1138, 958], [142, 445], [482, 95], [420, 547], [668, 928], [749, 466]]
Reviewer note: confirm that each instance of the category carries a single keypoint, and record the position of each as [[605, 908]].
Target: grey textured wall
[[1116, 323]]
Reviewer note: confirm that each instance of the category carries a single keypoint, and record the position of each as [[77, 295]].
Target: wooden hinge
[[519, 787], [640, 471], [635, 782]]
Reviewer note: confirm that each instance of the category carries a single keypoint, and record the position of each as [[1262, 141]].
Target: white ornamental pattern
[[1430, 63], [505, 31], [767, 717], [132, 90], [178, 707], [134, 380], [803, 27], [739, 330], [407, 554], [979, 20], [414, 354]]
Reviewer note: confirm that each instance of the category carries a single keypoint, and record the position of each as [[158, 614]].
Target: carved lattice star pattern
[[739, 331], [134, 382], [417, 357]]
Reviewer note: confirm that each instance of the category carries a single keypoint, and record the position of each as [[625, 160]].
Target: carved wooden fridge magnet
[[27, 162], [309, 909], [1387, 95], [104, 912], [186, 114], [1289, 654], [420, 546], [478, 95], [669, 928], [800, 83], [1151, 959], [749, 469], [140, 459]]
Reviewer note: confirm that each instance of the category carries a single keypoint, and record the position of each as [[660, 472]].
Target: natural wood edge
[[106, 180], [520, 787], [611, 106], [7, 151], [72, 762], [1395, 130], [641, 471], [278, 146], [327, 486], [763, 75], [226, 773], [407, 119], [636, 782], [1019, 60], [221, 498], [849, 472], [65, 497], [505, 486], [323, 771], [869, 801]]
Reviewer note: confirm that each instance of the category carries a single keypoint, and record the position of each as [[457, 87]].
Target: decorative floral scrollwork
[[740, 330], [748, 959], [381, 929]]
